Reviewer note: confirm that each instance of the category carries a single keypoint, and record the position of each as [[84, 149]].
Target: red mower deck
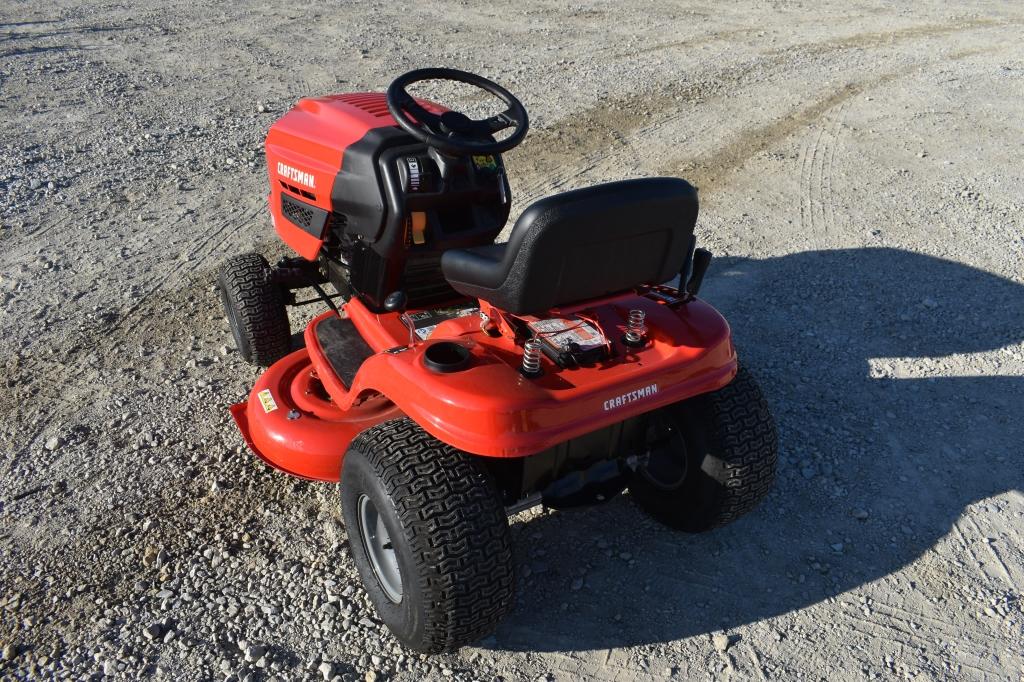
[[300, 417]]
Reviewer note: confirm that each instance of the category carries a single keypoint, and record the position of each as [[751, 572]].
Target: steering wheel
[[453, 132]]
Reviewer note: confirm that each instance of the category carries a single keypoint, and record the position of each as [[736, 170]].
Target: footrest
[[343, 347]]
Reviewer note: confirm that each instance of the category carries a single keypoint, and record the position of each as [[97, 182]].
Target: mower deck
[[304, 410], [291, 423]]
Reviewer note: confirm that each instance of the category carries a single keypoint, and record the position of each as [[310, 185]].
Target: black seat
[[580, 245]]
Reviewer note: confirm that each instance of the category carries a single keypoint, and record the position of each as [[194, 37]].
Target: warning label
[[560, 332], [267, 400], [425, 322]]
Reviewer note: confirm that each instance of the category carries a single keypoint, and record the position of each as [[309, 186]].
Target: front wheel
[[255, 309], [429, 536], [711, 458]]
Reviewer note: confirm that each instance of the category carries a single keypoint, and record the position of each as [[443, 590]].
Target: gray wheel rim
[[379, 549]]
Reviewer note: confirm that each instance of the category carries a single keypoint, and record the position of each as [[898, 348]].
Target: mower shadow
[[821, 330]]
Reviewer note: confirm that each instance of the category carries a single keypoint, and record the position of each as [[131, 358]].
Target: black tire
[[720, 464], [255, 309], [448, 530]]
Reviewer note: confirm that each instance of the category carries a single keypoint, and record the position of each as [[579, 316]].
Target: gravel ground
[[860, 172]]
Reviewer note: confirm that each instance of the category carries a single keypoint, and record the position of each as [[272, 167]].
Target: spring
[[531, 357], [637, 329]]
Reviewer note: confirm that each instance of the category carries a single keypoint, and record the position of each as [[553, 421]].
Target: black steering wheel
[[453, 132]]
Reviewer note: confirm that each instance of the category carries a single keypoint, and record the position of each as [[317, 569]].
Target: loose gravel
[[859, 169]]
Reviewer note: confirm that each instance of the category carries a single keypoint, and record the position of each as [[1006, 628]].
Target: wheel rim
[[380, 551]]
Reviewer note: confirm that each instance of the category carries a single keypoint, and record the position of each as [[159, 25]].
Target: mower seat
[[580, 245]]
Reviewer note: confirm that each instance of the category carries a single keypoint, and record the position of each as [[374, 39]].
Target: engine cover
[[305, 149], [376, 206]]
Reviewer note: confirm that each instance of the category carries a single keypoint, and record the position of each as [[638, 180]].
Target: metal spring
[[531, 357], [637, 328]]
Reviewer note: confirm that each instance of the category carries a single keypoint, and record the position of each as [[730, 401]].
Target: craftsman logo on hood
[[295, 175], [626, 398]]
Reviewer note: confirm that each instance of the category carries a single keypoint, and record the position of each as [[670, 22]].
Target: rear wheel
[[255, 309], [712, 458], [429, 536]]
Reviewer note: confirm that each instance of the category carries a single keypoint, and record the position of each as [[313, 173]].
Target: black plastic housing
[[466, 203]]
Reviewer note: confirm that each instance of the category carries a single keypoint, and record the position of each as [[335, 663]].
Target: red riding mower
[[454, 381]]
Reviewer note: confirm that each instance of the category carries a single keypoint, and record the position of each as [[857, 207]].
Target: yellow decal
[[267, 400], [485, 163]]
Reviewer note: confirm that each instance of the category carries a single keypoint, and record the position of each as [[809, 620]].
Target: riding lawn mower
[[452, 381]]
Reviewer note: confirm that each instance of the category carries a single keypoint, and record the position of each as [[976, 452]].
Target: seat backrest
[[600, 240]]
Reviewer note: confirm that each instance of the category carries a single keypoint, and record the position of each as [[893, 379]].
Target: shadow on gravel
[[823, 331]]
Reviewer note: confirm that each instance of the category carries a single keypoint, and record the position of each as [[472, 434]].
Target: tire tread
[[745, 438], [733, 463], [261, 314], [451, 512]]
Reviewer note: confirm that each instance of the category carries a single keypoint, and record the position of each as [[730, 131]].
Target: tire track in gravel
[[808, 152], [906, 618], [892, 634], [1004, 571], [838, 123], [966, 544], [755, 660], [55, 397], [312, 81], [64, 400], [262, 208], [1014, 570], [197, 256], [710, 171], [59, 390], [49, 378], [870, 39], [133, 320], [862, 40], [692, 41], [597, 668], [44, 227], [817, 159], [235, 221], [633, 123]]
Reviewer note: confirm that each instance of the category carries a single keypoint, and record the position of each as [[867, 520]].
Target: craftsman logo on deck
[[626, 398], [295, 175], [267, 400]]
